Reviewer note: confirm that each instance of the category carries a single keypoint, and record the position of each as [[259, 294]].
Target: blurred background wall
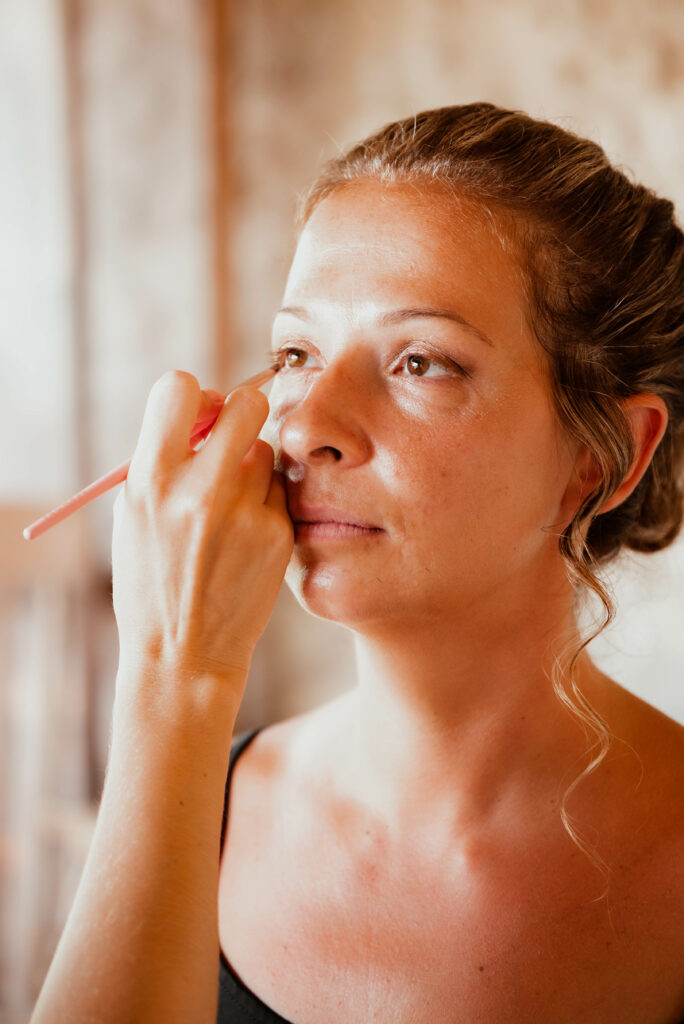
[[150, 156]]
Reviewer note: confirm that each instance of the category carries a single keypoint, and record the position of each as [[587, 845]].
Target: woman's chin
[[325, 591]]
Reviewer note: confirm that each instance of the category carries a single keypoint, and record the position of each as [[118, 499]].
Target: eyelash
[[279, 355]]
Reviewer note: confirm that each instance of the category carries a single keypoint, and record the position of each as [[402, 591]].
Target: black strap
[[237, 746]]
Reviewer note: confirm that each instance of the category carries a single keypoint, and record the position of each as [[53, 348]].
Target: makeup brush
[[117, 475]]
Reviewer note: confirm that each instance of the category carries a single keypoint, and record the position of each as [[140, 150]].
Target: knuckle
[[175, 381], [251, 398], [131, 494], [145, 490], [138, 499], [188, 503]]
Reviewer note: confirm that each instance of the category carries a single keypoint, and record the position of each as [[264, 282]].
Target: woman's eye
[[290, 357], [417, 364], [420, 365]]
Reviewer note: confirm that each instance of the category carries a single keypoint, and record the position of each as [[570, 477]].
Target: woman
[[479, 402]]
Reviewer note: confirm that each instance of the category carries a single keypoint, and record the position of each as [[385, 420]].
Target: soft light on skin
[[460, 605], [456, 469]]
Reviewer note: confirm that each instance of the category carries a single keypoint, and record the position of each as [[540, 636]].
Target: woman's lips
[[333, 531], [322, 522]]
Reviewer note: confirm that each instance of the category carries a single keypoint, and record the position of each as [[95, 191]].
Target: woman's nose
[[322, 420]]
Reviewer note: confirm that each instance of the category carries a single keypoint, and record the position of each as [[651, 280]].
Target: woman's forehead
[[385, 244], [376, 214]]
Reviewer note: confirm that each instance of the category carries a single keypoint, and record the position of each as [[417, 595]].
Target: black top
[[237, 1005]]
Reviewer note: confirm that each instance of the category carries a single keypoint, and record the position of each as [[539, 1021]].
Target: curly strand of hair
[[612, 445], [578, 561]]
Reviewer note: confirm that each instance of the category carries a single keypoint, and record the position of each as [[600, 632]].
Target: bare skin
[[327, 916], [398, 854]]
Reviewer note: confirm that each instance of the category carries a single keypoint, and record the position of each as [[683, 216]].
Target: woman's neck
[[455, 718]]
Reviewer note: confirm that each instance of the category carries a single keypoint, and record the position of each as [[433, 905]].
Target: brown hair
[[603, 265]]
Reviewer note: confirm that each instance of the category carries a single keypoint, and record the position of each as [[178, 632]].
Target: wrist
[[158, 694]]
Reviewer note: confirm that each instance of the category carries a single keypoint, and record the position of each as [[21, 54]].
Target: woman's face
[[414, 398]]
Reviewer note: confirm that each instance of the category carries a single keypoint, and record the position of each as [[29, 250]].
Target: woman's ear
[[647, 416]]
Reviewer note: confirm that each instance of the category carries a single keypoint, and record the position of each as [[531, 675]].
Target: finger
[[235, 431], [257, 469], [277, 493], [171, 411]]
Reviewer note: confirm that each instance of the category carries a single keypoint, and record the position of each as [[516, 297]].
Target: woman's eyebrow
[[298, 311], [398, 316]]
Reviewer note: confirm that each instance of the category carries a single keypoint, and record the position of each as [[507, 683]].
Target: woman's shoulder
[[278, 745], [643, 802], [283, 766], [650, 745]]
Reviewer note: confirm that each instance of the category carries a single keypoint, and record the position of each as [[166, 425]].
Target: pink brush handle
[[116, 476], [94, 490]]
